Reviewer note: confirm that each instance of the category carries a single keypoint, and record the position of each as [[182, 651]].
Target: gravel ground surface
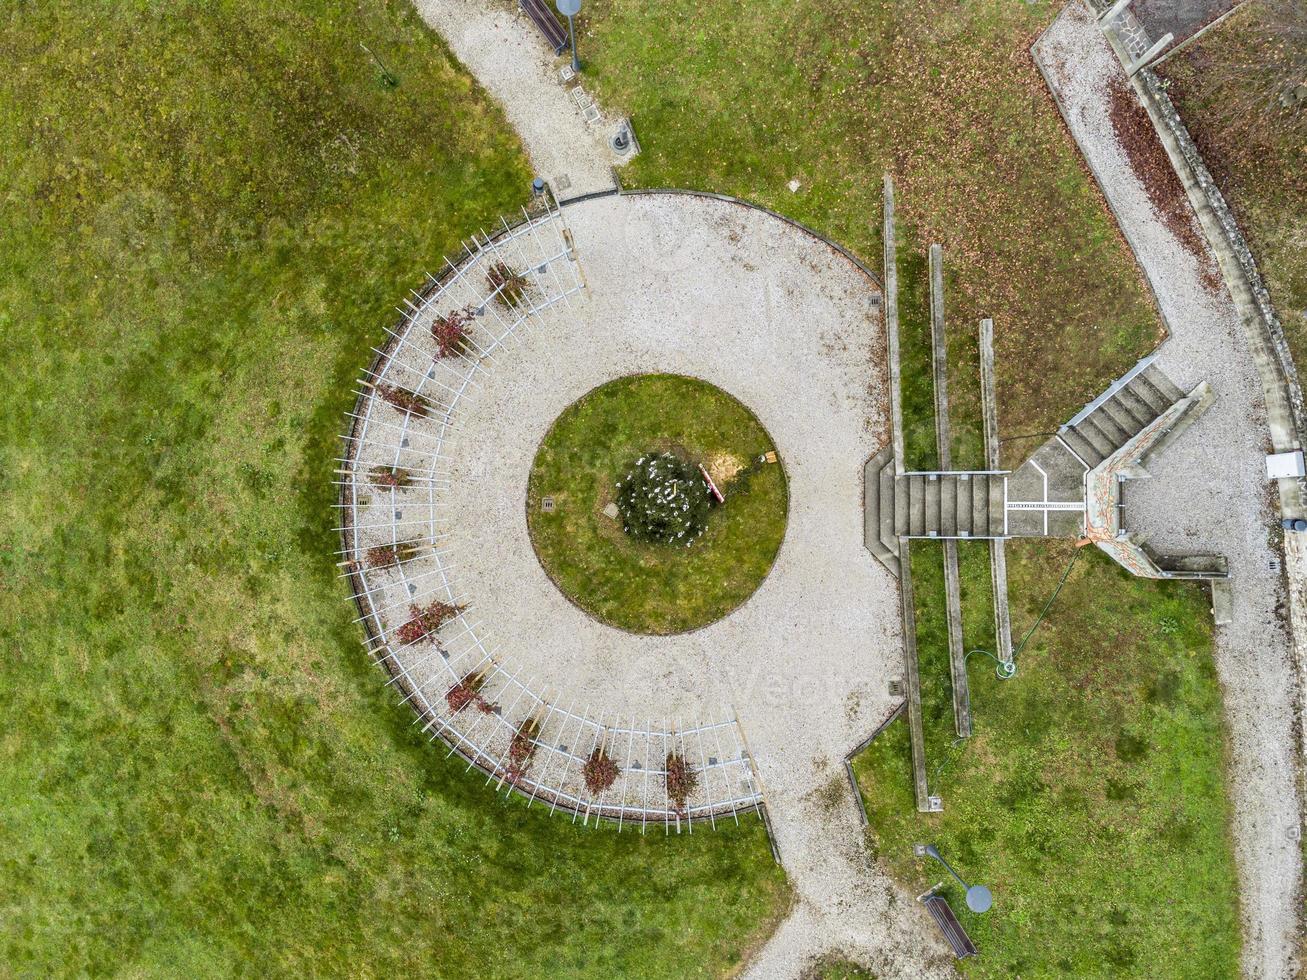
[[1225, 507], [509, 56], [791, 328]]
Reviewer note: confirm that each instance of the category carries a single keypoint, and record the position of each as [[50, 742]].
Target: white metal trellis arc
[[379, 435]]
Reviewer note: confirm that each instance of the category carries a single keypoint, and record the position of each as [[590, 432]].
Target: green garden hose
[[1005, 670]]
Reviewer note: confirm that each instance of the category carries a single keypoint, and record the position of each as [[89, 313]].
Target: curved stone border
[[507, 718], [566, 594], [835, 246]]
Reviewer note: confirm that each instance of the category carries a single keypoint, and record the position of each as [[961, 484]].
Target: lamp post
[[978, 897], [569, 9]]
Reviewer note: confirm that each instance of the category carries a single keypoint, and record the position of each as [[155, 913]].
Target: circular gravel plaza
[[708, 328], [695, 432]]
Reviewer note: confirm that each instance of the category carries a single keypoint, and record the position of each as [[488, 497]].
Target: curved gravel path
[[792, 328], [1219, 470], [507, 54]]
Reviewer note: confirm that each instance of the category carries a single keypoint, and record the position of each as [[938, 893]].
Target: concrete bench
[[544, 19]]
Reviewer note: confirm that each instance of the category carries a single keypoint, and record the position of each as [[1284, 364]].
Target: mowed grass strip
[[207, 212], [744, 96], [654, 588], [1091, 798]]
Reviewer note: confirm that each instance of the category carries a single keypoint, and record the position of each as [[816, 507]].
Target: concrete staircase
[[1044, 496], [927, 505], [1119, 413]]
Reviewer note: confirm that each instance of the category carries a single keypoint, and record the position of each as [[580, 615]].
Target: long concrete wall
[[944, 452], [907, 607], [1286, 416], [997, 548]]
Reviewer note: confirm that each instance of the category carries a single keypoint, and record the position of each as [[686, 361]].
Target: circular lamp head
[[979, 899], [568, 8]]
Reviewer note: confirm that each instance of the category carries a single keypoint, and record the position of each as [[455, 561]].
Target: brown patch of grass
[[1253, 147], [723, 467], [1151, 164], [741, 97]]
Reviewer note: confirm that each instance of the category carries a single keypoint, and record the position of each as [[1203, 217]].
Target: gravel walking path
[[507, 54], [790, 327], [1210, 495]]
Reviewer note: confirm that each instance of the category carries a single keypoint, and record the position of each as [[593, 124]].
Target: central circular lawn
[[646, 587]]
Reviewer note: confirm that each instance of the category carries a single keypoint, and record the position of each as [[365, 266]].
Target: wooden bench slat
[[544, 19], [948, 923]]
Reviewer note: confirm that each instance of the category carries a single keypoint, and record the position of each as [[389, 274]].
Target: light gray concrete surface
[[784, 323], [1210, 493]]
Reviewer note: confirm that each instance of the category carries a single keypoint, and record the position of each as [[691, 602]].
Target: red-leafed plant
[[388, 555], [425, 621], [392, 477], [450, 332], [510, 283], [600, 771], [521, 750], [682, 778], [405, 400], [468, 692]]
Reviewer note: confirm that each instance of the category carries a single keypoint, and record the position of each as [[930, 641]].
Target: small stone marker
[[547, 504], [794, 186], [611, 512]]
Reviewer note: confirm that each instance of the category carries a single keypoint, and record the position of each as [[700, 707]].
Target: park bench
[[948, 923], [538, 11]]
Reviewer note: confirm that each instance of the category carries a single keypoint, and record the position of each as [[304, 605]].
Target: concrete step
[[1096, 437], [902, 506], [931, 490], [917, 505], [966, 518], [997, 500], [952, 505], [980, 525], [1121, 418], [1118, 434], [1128, 401], [1082, 447], [1152, 395], [886, 491], [874, 501], [948, 506], [1158, 379]]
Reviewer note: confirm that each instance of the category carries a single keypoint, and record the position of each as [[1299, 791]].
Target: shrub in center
[[663, 500]]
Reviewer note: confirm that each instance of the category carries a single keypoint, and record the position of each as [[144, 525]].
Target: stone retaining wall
[[1170, 119]]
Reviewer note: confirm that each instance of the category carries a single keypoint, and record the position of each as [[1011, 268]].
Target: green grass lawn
[[743, 96], [208, 212], [1098, 771], [1091, 798], [834, 968], [1253, 147], [654, 588]]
